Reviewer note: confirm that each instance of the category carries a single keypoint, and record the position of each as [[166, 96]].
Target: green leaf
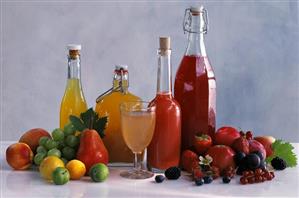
[[99, 125], [88, 117], [283, 150], [78, 124]]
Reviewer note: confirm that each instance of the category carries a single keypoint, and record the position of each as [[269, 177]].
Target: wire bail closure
[[118, 88], [203, 13]]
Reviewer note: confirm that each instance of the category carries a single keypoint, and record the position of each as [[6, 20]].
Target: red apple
[[254, 145], [223, 156], [226, 135], [266, 141]]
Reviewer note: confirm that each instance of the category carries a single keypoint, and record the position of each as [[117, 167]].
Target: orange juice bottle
[[108, 105], [73, 101]]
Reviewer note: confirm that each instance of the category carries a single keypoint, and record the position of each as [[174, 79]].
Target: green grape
[[38, 158], [68, 153], [69, 129], [61, 145], [65, 161], [51, 144], [42, 141], [54, 152], [58, 134], [41, 149], [72, 141]]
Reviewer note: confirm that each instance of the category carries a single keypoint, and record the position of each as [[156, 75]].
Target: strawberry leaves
[[89, 120]]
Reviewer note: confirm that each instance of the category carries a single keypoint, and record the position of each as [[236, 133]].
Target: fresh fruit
[[60, 176], [278, 163], [238, 157], [31, 137], [50, 144], [259, 175], [19, 156], [223, 156], [48, 165], [199, 181], [92, 149], [99, 172], [69, 129], [202, 143], [38, 158], [252, 161], [241, 144], [229, 172], [58, 135], [159, 178], [76, 169], [207, 179], [226, 180], [172, 173], [54, 152], [256, 146], [197, 173], [72, 141], [226, 135], [266, 141], [68, 153], [283, 150], [215, 172], [249, 135], [42, 141], [41, 149], [259, 154], [189, 160]]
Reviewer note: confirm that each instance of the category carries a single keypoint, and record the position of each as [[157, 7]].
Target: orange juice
[[73, 101], [109, 106]]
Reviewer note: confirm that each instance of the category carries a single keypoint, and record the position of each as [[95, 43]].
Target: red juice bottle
[[195, 83], [164, 149]]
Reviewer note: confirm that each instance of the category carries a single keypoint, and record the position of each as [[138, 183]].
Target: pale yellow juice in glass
[[138, 129]]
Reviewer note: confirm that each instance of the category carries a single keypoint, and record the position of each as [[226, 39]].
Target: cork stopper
[[164, 45], [196, 10], [74, 50]]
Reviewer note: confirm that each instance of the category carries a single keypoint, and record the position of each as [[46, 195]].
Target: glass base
[[136, 174]]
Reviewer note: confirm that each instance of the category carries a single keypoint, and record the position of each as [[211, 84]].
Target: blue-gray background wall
[[253, 47]]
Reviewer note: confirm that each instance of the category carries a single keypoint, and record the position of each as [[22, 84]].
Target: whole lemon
[[76, 169], [48, 165]]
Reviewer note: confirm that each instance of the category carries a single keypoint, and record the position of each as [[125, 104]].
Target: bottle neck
[[121, 81], [164, 72], [74, 71], [196, 45]]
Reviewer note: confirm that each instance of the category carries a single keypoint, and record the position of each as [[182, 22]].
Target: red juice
[[195, 91]]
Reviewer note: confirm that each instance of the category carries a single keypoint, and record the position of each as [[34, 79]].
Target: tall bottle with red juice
[[164, 149], [195, 83]]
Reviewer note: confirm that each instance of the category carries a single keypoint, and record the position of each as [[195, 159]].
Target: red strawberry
[[189, 161], [197, 173], [202, 143], [241, 144]]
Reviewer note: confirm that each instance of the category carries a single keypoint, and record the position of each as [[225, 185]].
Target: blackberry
[[199, 182], [226, 180], [159, 178], [278, 163], [173, 173], [207, 179]]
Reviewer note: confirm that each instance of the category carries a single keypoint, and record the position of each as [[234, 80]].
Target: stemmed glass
[[138, 120]]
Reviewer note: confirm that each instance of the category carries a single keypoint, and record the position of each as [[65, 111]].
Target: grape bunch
[[63, 144]]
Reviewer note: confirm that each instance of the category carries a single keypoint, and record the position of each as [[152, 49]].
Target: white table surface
[[29, 184]]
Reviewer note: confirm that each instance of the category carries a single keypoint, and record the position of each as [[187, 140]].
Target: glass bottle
[[108, 104], [195, 83], [164, 149], [73, 101]]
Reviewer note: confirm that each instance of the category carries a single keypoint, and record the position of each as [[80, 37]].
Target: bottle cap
[[73, 47], [119, 67], [164, 43]]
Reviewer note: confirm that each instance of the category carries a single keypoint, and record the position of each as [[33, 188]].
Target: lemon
[[76, 169], [48, 165]]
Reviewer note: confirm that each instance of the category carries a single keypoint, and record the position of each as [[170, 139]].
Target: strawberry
[[197, 173], [241, 144], [202, 143], [189, 161]]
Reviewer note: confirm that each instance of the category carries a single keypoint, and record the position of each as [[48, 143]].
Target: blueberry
[[159, 178], [252, 161], [207, 179], [226, 180], [199, 182], [238, 157]]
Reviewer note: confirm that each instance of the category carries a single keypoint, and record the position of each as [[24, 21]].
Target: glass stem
[[136, 165]]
